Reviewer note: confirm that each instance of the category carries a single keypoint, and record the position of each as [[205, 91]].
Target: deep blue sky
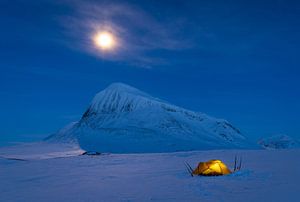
[[237, 60]]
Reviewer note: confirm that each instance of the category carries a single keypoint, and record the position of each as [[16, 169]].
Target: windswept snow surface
[[39, 150], [266, 175], [123, 119]]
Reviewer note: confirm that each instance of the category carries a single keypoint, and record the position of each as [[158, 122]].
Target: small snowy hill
[[123, 119], [279, 142]]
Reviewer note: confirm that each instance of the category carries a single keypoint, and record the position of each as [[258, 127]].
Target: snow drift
[[123, 119]]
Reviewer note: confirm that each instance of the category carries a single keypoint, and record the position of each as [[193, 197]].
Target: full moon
[[104, 40]]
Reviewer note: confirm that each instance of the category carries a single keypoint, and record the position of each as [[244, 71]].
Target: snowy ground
[[43, 172]]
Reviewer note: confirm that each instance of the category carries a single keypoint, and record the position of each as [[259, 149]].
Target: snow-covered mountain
[[279, 142], [124, 119]]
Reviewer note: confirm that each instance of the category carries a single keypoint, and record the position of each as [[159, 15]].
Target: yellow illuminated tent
[[211, 168]]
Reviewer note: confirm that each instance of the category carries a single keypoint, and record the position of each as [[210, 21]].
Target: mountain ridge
[[122, 118]]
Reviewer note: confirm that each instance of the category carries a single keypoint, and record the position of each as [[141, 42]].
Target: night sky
[[237, 60]]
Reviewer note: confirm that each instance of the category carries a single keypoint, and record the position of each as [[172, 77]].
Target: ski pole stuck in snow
[[189, 169]]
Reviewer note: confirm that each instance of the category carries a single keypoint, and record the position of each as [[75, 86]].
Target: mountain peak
[[119, 97], [122, 88], [118, 86]]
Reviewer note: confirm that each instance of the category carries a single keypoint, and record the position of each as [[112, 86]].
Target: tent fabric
[[211, 168]]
